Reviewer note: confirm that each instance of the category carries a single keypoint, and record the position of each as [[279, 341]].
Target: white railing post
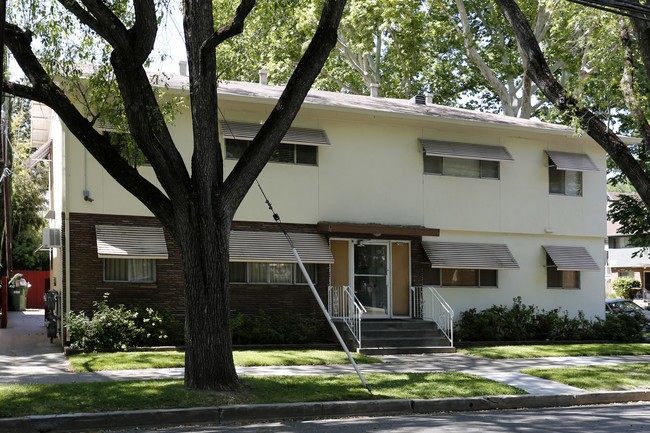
[[430, 305], [343, 304]]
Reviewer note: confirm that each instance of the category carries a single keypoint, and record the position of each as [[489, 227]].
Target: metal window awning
[[248, 131], [39, 155], [246, 246], [465, 150], [571, 258], [465, 255], [130, 242], [571, 161]]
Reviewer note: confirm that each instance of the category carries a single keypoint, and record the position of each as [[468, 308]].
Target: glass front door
[[371, 277]]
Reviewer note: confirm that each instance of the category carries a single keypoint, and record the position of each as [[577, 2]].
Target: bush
[[159, 328], [528, 323], [287, 328], [624, 287], [119, 327], [619, 327]]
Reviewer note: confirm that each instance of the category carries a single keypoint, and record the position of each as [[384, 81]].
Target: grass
[[599, 378], [539, 351], [138, 360], [22, 400]]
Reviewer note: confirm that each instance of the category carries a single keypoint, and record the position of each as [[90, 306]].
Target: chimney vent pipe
[[264, 76]]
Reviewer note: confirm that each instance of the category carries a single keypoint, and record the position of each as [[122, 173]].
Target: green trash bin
[[18, 298], [18, 293]]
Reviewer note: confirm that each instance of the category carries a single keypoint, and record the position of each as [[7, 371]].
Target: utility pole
[[5, 174]]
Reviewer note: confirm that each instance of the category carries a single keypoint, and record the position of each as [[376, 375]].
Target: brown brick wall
[[86, 271], [167, 292], [86, 274]]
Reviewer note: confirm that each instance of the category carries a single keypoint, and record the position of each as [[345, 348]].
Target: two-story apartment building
[[379, 195]]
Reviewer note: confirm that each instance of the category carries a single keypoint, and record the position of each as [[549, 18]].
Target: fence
[[35, 293]]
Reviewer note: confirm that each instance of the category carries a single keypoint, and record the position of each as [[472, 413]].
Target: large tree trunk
[[208, 343]]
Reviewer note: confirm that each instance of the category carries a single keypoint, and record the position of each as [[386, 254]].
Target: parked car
[[618, 305]]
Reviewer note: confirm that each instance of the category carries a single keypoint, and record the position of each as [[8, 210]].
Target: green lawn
[[22, 400], [599, 378], [136, 360], [539, 351]]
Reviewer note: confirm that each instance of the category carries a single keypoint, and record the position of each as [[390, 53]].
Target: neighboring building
[[623, 260], [381, 195]]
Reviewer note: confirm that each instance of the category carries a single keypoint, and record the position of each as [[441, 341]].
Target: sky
[[170, 41]]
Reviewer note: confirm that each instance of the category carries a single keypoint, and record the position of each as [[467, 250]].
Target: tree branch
[[258, 153], [627, 85], [226, 32], [44, 90], [144, 30], [477, 59], [98, 17], [539, 71], [642, 33]]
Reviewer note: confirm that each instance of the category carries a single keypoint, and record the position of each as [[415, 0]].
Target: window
[[615, 242], [271, 273], [130, 270], [476, 168], [625, 273], [560, 279], [285, 153], [124, 144], [459, 277], [564, 182]]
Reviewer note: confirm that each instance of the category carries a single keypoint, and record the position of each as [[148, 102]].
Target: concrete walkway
[[27, 356]]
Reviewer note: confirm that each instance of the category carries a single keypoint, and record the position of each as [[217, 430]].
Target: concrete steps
[[384, 337]]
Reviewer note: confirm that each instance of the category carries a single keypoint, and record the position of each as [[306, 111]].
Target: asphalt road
[[593, 419]]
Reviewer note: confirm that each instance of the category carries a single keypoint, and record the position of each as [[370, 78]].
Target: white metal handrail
[[343, 304], [428, 304]]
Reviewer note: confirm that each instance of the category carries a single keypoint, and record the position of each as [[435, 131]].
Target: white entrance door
[[371, 273]]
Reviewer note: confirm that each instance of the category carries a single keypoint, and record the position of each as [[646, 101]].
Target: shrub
[[619, 327], [159, 328], [624, 287], [119, 327], [524, 323], [287, 328], [110, 328]]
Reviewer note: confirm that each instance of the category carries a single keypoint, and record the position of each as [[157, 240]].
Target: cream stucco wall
[[373, 173], [57, 197], [529, 281]]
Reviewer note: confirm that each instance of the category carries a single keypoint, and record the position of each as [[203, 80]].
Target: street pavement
[[27, 356]]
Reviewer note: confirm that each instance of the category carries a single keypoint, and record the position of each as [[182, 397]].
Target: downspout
[[64, 199]]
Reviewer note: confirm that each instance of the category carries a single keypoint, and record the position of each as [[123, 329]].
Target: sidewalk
[[27, 356]]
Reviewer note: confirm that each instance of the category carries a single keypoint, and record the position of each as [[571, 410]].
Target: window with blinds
[[130, 270]]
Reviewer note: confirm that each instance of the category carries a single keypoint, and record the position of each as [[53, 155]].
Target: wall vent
[[419, 100]]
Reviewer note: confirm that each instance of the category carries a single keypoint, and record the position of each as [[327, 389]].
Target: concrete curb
[[300, 411]]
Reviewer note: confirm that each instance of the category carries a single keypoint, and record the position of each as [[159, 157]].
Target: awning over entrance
[[130, 242], [273, 247], [463, 255], [571, 258], [375, 229], [571, 161], [465, 150], [248, 131]]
